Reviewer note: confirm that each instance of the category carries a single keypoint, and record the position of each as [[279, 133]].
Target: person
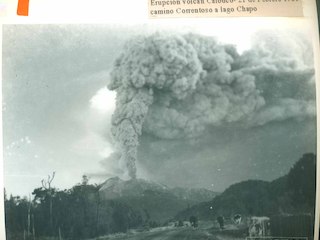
[[258, 229], [237, 219], [220, 220]]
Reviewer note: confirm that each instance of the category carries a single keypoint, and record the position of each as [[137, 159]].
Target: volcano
[[115, 187], [153, 200]]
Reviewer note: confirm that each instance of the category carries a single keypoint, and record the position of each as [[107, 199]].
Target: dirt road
[[183, 233], [179, 234]]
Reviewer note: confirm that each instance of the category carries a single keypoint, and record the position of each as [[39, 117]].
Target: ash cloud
[[282, 64], [177, 86]]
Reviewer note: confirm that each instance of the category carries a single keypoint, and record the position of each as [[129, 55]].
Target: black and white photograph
[[162, 131]]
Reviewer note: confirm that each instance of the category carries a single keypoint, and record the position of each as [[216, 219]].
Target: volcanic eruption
[[175, 86]]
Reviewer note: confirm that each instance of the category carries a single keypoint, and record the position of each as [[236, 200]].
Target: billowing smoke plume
[[177, 86], [282, 64]]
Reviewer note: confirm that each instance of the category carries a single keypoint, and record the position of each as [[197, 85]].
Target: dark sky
[[56, 117]]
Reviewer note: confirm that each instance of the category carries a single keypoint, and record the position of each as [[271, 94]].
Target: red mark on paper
[[23, 7]]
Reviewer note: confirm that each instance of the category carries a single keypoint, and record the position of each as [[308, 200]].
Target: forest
[[76, 213], [291, 194]]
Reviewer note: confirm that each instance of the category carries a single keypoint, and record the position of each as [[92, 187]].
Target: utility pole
[[29, 218], [33, 230]]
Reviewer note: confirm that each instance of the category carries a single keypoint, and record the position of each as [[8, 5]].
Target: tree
[[16, 217], [302, 181], [44, 196], [85, 180], [47, 185], [85, 208]]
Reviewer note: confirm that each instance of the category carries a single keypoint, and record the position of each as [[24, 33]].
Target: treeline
[[293, 193], [76, 213]]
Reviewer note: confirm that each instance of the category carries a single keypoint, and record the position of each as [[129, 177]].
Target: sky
[[57, 113]]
